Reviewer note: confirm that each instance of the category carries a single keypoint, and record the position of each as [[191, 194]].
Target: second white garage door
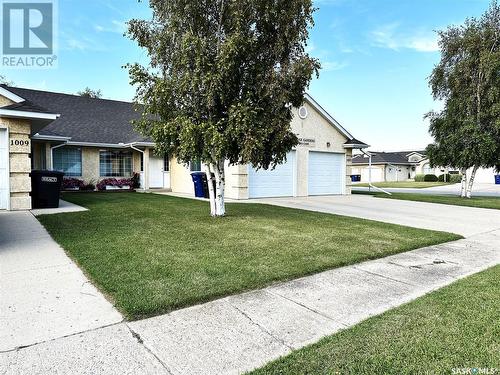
[[326, 173], [278, 182]]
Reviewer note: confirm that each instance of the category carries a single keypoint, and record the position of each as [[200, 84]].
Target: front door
[[155, 172], [4, 170]]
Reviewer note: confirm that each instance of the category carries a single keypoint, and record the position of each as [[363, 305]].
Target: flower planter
[[111, 187]]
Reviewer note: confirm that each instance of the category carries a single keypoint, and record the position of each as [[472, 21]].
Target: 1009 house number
[[17, 142]]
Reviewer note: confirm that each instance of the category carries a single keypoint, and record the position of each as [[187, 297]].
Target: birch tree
[[467, 80], [222, 79]]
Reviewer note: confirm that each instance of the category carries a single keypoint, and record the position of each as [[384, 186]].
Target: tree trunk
[[211, 192], [471, 181], [463, 188], [220, 207]]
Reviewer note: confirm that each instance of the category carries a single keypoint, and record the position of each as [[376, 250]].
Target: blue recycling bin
[[199, 191], [497, 179]]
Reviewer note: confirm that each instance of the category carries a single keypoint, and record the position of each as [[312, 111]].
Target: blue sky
[[376, 57]]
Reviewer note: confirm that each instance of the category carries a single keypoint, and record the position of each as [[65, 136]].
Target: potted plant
[[115, 184], [71, 183]]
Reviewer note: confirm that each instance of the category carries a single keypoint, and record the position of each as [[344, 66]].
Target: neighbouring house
[[93, 139], [404, 166], [390, 166]]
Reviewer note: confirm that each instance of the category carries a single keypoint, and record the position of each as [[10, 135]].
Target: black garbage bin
[[46, 188], [199, 178]]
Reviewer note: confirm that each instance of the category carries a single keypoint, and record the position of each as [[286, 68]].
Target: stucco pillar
[[348, 170], [146, 168], [48, 156], [301, 169], [236, 181], [90, 164], [19, 146]]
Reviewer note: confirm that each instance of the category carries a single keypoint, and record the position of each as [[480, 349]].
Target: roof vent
[[303, 113]]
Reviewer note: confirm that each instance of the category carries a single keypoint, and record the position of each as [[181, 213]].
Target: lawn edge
[[373, 317], [191, 303]]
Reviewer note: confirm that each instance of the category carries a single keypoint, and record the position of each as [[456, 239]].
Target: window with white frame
[[67, 160], [195, 165], [115, 163]]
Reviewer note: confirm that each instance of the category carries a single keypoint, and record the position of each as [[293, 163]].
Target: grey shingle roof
[[26, 106], [399, 157], [85, 119], [354, 141]]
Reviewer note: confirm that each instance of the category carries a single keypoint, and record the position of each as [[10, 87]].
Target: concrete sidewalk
[[43, 294], [64, 207], [239, 333]]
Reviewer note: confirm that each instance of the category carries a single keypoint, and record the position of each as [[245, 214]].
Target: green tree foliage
[[467, 80], [87, 92], [222, 79], [5, 81]]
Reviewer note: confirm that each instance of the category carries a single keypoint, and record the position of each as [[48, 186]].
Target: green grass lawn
[[152, 254], [404, 184], [480, 202], [453, 328]]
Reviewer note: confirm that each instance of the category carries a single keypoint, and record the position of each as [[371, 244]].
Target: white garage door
[[484, 176], [326, 173], [278, 182], [4, 171]]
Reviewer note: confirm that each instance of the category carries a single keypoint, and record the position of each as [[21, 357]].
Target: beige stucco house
[[92, 139], [390, 166]]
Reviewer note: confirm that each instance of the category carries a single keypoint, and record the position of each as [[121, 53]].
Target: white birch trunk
[[211, 192], [471, 182], [220, 207], [463, 188]]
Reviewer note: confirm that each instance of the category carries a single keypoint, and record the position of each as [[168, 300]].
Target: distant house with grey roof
[[392, 166], [405, 165]]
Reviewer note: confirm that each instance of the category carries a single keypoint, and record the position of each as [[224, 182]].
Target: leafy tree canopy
[[5, 81], [87, 92], [467, 80], [223, 77]]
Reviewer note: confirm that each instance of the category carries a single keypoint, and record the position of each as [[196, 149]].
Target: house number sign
[[19, 142]]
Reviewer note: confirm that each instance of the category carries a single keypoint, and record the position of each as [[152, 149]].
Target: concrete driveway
[[465, 221], [484, 190]]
